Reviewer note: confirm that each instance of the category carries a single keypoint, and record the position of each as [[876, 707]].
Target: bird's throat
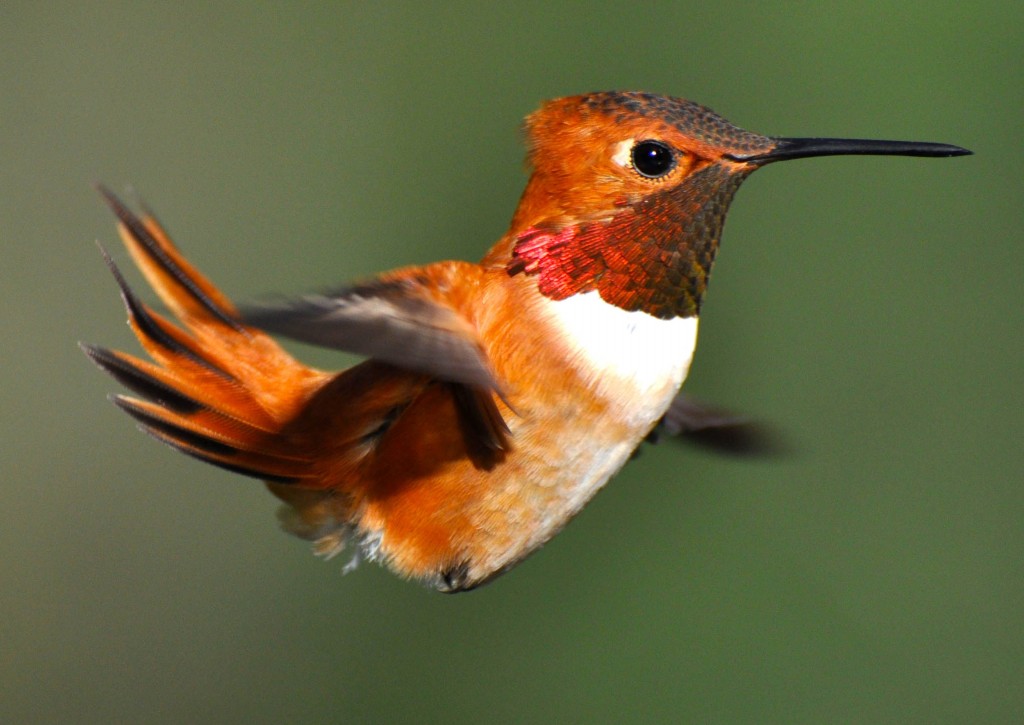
[[654, 255]]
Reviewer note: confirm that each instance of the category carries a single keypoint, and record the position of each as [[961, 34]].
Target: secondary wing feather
[[404, 321]]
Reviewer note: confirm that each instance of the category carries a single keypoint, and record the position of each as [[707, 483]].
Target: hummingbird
[[496, 398]]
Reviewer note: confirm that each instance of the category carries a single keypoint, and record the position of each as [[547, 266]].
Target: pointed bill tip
[[800, 148]]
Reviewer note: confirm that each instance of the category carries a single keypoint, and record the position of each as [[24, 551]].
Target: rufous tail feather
[[216, 390]]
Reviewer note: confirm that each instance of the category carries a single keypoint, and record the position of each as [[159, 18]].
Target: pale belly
[[631, 366]]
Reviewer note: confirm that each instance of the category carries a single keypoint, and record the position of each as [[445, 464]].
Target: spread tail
[[216, 390]]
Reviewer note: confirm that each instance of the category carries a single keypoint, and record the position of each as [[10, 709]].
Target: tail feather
[[186, 363], [219, 462], [216, 390], [214, 441], [139, 376], [213, 426], [180, 285], [161, 338]]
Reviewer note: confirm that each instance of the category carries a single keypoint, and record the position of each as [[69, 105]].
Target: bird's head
[[629, 191]]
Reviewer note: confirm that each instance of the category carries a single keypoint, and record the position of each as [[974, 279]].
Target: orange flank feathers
[[496, 398]]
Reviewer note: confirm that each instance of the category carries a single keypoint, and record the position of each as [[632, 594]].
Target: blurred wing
[[716, 429], [403, 321]]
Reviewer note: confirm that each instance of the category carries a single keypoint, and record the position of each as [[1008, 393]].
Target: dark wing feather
[[486, 432], [400, 322], [716, 429]]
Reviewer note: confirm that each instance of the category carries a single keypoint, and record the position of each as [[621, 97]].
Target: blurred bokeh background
[[869, 308]]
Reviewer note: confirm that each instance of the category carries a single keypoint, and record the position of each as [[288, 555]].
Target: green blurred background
[[870, 308]]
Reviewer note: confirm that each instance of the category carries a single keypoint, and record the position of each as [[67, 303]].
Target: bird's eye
[[653, 159]]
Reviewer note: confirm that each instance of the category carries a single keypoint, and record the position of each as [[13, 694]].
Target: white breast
[[634, 359]]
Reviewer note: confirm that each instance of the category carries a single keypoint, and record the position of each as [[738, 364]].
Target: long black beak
[[799, 148]]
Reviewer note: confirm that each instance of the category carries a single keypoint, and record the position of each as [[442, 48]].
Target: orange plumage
[[498, 397]]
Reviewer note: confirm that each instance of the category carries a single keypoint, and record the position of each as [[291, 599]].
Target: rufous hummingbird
[[498, 397]]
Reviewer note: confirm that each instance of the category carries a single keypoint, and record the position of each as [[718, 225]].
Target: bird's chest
[[613, 376], [631, 361]]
